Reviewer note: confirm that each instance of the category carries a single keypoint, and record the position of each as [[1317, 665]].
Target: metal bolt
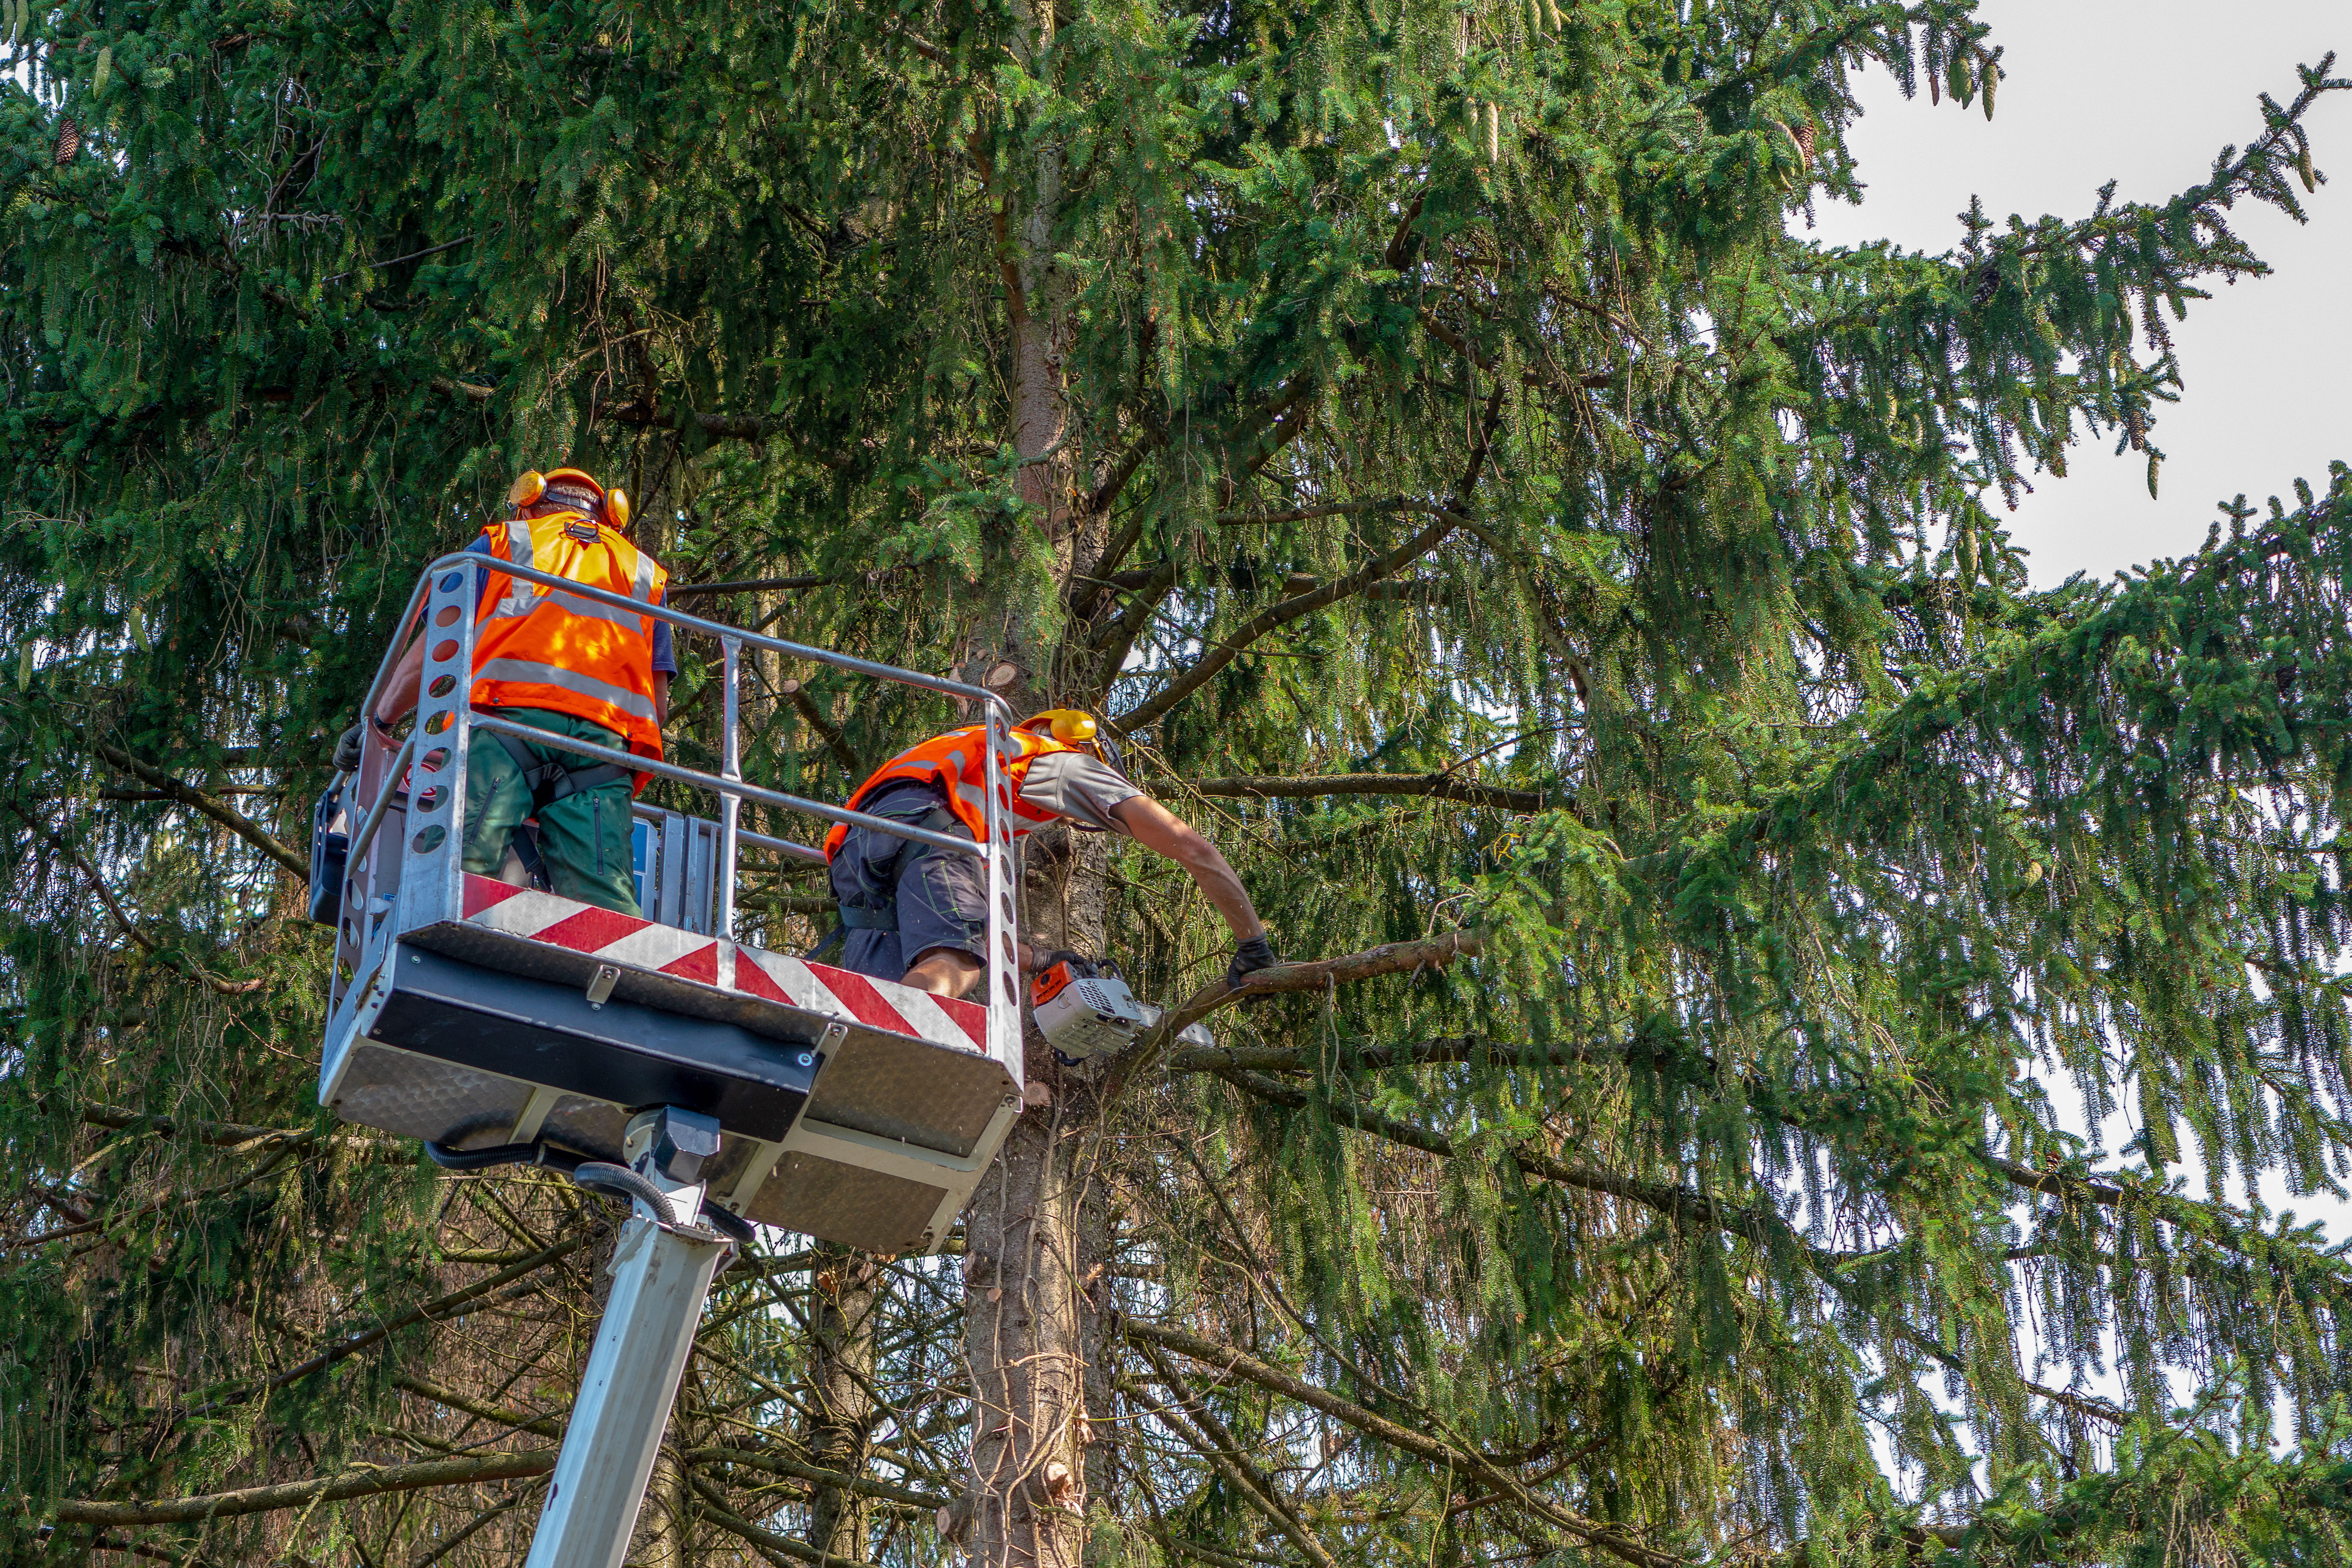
[[807, 1059]]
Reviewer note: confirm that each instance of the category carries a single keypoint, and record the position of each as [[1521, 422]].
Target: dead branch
[[455, 1472]]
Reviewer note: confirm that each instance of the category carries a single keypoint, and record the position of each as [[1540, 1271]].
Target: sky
[[2148, 92]]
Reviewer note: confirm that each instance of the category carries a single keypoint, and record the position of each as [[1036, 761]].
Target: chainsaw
[[1084, 1010]]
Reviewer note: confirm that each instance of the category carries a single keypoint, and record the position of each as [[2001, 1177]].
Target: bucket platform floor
[[854, 1109]]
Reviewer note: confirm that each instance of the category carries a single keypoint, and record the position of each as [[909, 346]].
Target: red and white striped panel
[[615, 937]]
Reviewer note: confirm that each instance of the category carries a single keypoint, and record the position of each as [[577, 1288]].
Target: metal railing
[[396, 885]]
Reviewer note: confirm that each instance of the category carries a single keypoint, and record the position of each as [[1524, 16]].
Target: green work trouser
[[584, 838]]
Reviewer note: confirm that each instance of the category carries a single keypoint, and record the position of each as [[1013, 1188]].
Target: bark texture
[[1033, 1238], [842, 1408]]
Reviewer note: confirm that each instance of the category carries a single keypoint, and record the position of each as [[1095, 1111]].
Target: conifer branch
[[136, 1549], [471, 1527], [1593, 380], [1373, 1058], [712, 1504], [430, 1473], [1356, 582], [1286, 1518], [104, 1218], [424, 1389], [777, 1463], [236, 822], [1147, 439], [639, 415], [751, 585], [1225, 1459], [1392, 958], [1239, 1364], [1331, 508], [1683, 1206], [1182, 1546], [1113, 641], [231, 1135], [130, 927], [365, 1339], [1432, 787], [1281, 615], [796, 693]]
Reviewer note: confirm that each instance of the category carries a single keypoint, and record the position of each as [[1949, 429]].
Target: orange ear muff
[[527, 488], [616, 510]]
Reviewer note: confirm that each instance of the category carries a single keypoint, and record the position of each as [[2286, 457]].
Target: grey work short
[[942, 901]]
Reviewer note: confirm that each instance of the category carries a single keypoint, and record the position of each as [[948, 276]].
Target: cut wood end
[[1003, 676], [1036, 1095]]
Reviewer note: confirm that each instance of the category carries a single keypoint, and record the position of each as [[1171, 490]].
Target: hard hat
[[612, 507], [1072, 727], [1068, 724]]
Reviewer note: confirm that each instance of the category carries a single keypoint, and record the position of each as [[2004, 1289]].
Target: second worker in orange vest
[[920, 915], [567, 666]]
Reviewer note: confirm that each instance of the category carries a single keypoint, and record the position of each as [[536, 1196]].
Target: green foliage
[[1440, 393]]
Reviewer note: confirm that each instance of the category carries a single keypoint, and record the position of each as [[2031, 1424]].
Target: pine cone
[[69, 143], [1988, 281]]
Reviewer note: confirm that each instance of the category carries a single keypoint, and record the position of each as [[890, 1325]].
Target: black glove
[[1080, 965], [1249, 958], [348, 749]]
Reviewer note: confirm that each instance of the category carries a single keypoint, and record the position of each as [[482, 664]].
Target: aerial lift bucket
[[501, 1023]]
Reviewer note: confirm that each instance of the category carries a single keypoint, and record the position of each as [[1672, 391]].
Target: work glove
[[348, 749], [1251, 956]]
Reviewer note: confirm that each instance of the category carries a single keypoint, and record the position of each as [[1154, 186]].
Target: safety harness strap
[[552, 780]]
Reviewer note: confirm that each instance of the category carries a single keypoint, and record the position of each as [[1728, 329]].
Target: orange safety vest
[[536, 647], [957, 762]]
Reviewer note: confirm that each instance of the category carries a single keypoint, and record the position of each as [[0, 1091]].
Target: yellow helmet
[[612, 507], [1075, 728], [1068, 724]]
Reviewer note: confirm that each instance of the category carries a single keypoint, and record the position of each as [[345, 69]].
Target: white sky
[[2148, 92]]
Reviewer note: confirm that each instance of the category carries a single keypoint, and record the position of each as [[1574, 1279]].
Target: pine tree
[[1573, 598]]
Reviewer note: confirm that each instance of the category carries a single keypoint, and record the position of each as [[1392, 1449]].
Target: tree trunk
[[842, 1409], [1036, 297], [1033, 1236], [662, 1522], [1033, 1230]]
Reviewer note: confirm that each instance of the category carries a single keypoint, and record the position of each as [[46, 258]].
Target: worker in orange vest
[[920, 915], [564, 665]]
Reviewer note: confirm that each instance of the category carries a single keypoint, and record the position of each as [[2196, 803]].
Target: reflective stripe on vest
[[957, 762], [544, 647], [572, 681]]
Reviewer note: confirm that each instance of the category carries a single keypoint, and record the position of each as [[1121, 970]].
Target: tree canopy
[[1575, 599]]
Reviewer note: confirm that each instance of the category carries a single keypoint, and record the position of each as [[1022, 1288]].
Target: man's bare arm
[[399, 699], [1163, 832]]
